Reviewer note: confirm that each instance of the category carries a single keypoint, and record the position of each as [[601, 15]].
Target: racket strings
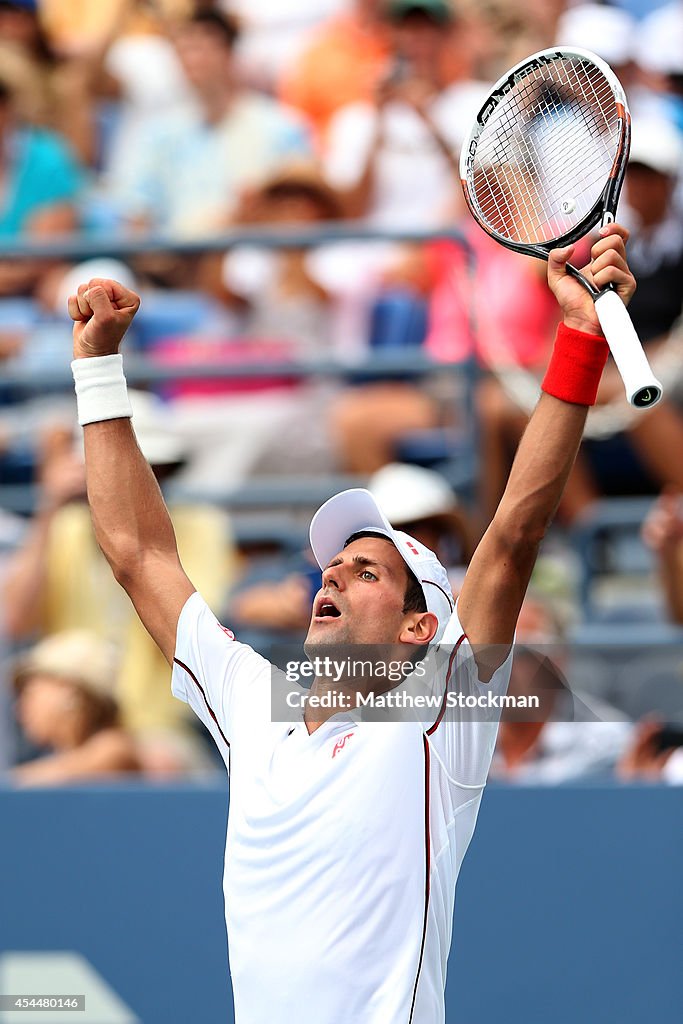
[[526, 181], [548, 110], [525, 186], [545, 154]]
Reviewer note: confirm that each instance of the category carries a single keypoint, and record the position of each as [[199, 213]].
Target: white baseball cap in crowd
[[607, 31], [356, 510], [104, 267], [659, 41], [407, 493], [154, 429], [656, 143]]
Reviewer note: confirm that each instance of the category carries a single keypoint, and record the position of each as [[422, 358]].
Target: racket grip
[[642, 387]]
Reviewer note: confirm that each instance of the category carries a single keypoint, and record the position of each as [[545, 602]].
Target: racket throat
[[578, 276]]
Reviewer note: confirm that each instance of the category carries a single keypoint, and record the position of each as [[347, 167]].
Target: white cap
[[357, 510], [659, 41], [407, 493], [153, 426], [656, 143], [104, 266], [607, 31]]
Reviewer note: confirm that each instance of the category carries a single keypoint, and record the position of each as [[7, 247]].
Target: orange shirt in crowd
[[342, 65]]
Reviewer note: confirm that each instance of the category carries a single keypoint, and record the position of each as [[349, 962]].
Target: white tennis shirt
[[343, 846]]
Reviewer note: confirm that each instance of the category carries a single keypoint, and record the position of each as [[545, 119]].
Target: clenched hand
[[608, 266], [102, 311]]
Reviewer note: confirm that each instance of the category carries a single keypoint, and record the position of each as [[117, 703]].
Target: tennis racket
[[544, 163]]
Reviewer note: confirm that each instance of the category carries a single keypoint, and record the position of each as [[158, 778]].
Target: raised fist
[[102, 311]]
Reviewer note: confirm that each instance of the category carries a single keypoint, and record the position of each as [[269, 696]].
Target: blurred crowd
[[174, 124]]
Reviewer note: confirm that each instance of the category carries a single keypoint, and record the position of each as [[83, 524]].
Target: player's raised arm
[[131, 522], [499, 572]]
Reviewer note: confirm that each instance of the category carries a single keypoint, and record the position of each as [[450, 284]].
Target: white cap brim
[[342, 516]]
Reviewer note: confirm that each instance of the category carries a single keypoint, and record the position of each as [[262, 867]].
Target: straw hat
[[76, 656], [304, 176]]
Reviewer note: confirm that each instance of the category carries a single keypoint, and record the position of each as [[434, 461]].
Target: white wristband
[[101, 391]]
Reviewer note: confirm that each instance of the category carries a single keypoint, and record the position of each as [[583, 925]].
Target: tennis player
[[345, 837]]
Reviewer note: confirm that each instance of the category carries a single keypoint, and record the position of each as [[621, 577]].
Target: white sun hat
[[77, 655], [607, 31], [357, 510], [659, 41], [656, 143]]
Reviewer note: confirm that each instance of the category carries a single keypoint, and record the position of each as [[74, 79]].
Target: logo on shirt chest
[[340, 744]]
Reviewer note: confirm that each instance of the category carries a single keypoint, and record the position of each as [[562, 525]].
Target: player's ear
[[419, 628]]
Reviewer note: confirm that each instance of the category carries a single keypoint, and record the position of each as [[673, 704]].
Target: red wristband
[[576, 366]]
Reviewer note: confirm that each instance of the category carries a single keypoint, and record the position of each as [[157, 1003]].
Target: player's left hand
[[608, 266]]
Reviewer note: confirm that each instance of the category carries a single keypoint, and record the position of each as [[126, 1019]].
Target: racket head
[[545, 157]]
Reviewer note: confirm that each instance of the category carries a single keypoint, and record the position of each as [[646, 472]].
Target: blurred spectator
[[42, 339], [502, 314], [605, 30], [659, 54], [280, 291], [42, 183], [572, 735], [637, 458], [368, 421], [58, 579], [167, 754], [188, 172], [376, 150], [663, 534], [79, 29], [275, 33], [283, 311], [504, 32], [412, 129], [655, 252], [649, 210], [60, 91], [343, 64], [151, 85], [281, 605], [655, 755], [67, 704], [491, 303]]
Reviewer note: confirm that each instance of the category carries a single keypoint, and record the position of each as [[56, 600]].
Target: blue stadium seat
[[607, 542]]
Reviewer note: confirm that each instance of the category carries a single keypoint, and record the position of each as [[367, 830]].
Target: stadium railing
[[87, 246]]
